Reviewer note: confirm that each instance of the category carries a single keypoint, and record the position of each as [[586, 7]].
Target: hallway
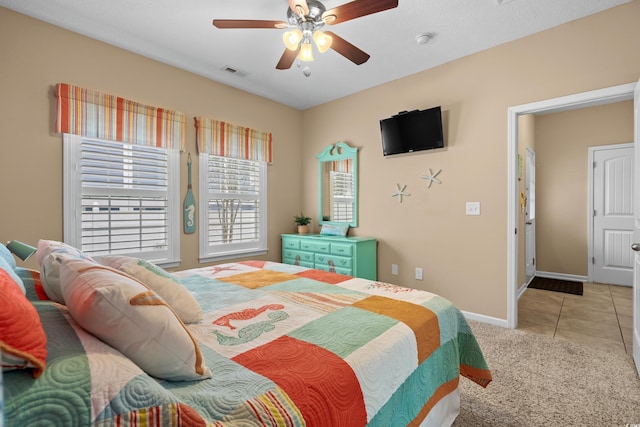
[[601, 317]]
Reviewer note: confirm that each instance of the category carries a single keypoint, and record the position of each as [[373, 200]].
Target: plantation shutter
[[124, 201], [233, 207], [342, 196]]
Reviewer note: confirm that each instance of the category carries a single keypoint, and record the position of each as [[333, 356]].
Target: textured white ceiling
[[180, 33]]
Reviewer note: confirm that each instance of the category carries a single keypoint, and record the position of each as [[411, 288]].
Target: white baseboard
[[562, 276], [486, 319]]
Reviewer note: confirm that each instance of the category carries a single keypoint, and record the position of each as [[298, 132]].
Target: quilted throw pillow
[[50, 266], [161, 282], [23, 343], [131, 318], [7, 256], [7, 268]]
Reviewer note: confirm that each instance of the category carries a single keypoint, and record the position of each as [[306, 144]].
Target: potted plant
[[303, 223]]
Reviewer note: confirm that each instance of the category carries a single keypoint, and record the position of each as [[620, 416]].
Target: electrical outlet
[[473, 208], [418, 273], [394, 269]]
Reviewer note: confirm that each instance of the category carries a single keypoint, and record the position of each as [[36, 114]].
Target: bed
[[267, 344]]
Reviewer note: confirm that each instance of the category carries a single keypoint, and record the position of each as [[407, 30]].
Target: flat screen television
[[411, 131]]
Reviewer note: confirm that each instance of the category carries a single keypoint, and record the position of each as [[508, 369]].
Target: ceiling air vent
[[234, 71]]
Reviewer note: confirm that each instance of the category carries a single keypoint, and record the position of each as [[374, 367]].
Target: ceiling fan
[[305, 18]]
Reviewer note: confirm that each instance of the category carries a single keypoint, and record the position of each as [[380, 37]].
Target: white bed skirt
[[445, 412]]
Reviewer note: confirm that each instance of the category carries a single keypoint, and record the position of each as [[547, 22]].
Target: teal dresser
[[353, 256]]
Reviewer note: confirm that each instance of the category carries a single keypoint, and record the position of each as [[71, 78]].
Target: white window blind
[[121, 199], [232, 207], [342, 196]]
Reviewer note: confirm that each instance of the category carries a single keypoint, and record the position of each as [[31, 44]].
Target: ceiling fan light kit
[[323, 41], [305, 18]]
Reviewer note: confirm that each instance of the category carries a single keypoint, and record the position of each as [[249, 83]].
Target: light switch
[[418, 273], [473, 208], [394, 269]]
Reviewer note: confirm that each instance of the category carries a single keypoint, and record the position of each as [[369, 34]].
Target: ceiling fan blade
[[348, 50], [299, 7], [287, 59], [356, 9], [247, 23]]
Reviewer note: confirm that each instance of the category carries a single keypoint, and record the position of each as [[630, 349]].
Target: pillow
[[131, 318], [50, 266], [334, 229], [161, 282], [5, 266], [6, 254], [23, 344], [32, 284]]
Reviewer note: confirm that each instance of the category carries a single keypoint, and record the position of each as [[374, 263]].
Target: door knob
[[635, 247]]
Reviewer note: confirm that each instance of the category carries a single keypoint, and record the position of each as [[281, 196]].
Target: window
[[233, 199], [122, 199]]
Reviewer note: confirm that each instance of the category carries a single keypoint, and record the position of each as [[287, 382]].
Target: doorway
[[581, 100]]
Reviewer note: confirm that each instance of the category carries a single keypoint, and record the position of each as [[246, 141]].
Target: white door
[[613, 214], [530, 216], [636, 234]]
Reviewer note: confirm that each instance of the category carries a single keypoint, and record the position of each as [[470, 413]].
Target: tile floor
[[601, 317]]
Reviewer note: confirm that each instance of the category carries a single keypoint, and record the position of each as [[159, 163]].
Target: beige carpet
[[541, 381]]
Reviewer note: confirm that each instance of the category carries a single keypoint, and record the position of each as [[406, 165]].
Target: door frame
[[530, 177], [592, 98], [590, 201]]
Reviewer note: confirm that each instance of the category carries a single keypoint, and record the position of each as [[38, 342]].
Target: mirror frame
[[338, 151]]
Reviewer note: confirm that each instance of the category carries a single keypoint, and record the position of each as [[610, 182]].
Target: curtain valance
[[228, 140], [88, 113], [345, 166]]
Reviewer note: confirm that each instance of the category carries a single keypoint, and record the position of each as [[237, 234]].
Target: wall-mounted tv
[[411, 131]]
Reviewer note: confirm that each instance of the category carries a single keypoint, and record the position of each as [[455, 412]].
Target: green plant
[[301, 219]]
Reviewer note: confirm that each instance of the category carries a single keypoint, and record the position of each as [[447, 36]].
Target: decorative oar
[[189, 204]]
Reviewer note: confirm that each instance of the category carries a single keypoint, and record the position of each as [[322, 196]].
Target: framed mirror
[[338, 184]]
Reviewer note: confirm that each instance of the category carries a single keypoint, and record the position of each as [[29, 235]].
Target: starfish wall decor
[[431, 177], [400, 193]]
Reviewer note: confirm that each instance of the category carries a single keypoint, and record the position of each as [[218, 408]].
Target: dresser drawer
[[298, 261], [334, 269], [290, 254], [323, 247], [340, 249], [332, 260], [291, 243]]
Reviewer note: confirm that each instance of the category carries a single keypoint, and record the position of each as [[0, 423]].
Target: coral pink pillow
[[23, 343]]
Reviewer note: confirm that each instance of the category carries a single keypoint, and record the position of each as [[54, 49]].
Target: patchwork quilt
[[286, 345]]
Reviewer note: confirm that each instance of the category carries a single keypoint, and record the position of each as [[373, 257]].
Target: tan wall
[[465, 257], [34, 56], [526, 139], [562, 172]]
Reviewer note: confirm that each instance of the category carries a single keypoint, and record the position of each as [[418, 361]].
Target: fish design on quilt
[[253, 331], [245, 314], [388, 287], [215, 269]]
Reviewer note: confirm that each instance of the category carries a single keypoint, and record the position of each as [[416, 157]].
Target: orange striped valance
[[227, 140], [99, 115], [345, 166]]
